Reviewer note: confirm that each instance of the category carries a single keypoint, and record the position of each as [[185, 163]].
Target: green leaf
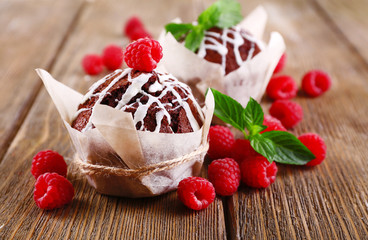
[[263, 146], [229, 110], [230, 13], [209, 17], [289, 150], [253, 114], [253, 130], [178, 30], [223, 14], [194, 38]]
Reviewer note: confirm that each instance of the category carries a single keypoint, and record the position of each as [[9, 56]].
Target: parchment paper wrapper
[[249, 80], [119, 160]]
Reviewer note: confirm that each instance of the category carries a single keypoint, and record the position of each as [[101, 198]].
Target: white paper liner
[[115, 142], [249, 80]]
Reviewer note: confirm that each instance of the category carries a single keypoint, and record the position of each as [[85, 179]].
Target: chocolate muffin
[[157, 101], [229, 47]]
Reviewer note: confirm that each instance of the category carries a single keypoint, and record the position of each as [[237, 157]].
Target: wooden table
[[329, 201]]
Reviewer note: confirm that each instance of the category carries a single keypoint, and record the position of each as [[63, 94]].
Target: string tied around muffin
[[93, 169]]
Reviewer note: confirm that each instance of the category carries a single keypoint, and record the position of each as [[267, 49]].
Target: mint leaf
[[178, 30], [253, 130], [194, 38], [263, 146], [228, 110], [253, 114], [230, 13], [223, 14], [209, 17], [288, 149]]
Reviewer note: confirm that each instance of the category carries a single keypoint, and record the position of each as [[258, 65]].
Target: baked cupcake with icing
[[222, 50], [157, 101], [137, 132]]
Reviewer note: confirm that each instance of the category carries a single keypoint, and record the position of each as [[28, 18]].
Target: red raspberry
[[316, 145], [280, 64], [134, 29], [273, 124], [92, 64], [242, 149], [52, 191], [196, 193], [112, 57], [221, 142], [48, 161], [258, 172], [224, 174], [143, 54], [316, 82], [288, 112], [282, 87]]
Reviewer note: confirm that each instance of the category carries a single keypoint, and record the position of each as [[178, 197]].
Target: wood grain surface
[[325, 202], [349, 20], [29, 39]]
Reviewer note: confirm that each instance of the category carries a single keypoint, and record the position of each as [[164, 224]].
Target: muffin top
[[229, 47], [157, 101]]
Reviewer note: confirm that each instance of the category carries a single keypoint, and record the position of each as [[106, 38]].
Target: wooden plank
[[349, 19], [29, 38], [92, 215], [327, 201]]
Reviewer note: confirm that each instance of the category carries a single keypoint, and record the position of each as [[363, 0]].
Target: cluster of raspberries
[[52, 189], [282, 88], [237, 161], [112, 56]]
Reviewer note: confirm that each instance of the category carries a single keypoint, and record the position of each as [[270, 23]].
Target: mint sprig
[[222, 14], [279, 146]]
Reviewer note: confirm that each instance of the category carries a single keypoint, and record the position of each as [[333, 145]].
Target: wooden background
[[329, 201]]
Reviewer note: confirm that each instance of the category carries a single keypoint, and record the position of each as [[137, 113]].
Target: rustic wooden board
[[327, 201], [92, 215], [349, 18], [29, 38]]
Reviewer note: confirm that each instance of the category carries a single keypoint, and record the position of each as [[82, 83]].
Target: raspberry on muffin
[[157, 100]]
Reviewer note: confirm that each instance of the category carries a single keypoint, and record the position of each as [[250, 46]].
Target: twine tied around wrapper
[[93, 169]]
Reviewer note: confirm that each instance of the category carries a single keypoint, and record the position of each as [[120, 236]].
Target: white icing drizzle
[[165, 83], [102, 94], [155, 87], [220, 46], [79, 111]]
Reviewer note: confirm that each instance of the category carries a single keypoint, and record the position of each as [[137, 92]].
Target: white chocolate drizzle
[[221, 46], [164, 84]]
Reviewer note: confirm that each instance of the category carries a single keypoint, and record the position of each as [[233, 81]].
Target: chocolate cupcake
[[137, 132], [157, 101], [223, 51]]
